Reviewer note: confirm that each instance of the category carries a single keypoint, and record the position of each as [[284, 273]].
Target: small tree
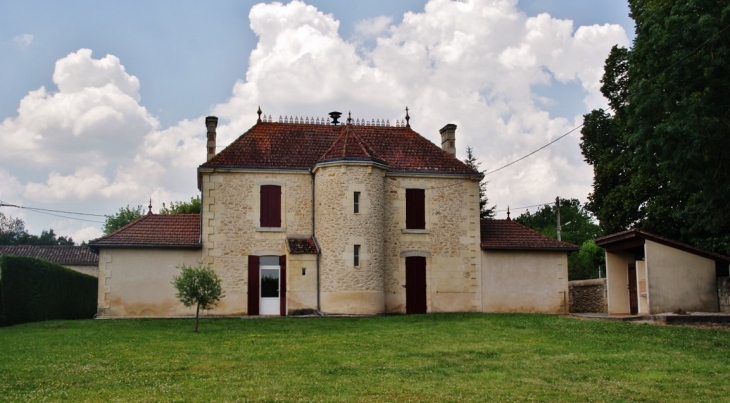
[[199, 286], [472, 162]]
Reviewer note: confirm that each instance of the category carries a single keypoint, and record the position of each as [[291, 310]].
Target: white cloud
[[372, 27], [23, 40], [472, 63]]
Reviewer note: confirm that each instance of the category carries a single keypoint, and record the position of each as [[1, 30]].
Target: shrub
[[35, 290]]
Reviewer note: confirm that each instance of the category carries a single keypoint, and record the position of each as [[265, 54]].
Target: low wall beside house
[[588, 296], [723, 293]]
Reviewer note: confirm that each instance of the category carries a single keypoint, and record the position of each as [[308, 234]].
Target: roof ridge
[[540, 233]]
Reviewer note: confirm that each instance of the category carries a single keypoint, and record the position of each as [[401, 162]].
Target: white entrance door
[[269, 290]]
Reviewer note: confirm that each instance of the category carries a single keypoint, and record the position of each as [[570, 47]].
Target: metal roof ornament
[[408, 119], [335, 116], [508, 219], [150, 207], [349, 117], [259, 113]]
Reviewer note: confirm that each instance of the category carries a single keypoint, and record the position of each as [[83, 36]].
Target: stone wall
[[450, 242], [723, 291], [588, 296], [231, 226], [346, 288]]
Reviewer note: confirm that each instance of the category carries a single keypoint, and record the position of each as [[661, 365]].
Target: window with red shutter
[[415, 209], [270, 206]]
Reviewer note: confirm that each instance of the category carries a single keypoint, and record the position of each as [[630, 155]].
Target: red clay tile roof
[[63, 255], [349, 146], [635, 234], [155, 230], [511, 235], [301, 246], [301, 146]]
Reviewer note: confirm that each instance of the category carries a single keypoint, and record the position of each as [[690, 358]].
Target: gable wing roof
[[631, 236], [63, 255], [297, 246], [511, 235], [155, 231], [273, 145]]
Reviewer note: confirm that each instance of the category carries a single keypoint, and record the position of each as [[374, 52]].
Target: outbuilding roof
[[274, 145], [63, 255], [511, 235], [300, 246], [633, 238], [155, 231]]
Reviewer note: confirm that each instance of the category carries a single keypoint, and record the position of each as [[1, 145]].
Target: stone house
[[649, 274], [78, 258], [301, 216]]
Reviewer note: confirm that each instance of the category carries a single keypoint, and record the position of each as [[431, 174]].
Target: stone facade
[[230, 214], [450, 242], [231, 232], [588, 296]]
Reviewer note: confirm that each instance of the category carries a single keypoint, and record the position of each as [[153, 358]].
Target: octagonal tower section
[[349, 190]]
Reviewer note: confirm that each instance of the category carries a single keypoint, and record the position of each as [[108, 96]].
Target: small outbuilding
[[137, 264], [522, 269], [649, 274]]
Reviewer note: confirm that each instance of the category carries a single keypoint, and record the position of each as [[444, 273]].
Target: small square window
[[357, 202], [356, 256]]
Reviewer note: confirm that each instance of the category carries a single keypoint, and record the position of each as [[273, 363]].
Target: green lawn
[[473, 357]]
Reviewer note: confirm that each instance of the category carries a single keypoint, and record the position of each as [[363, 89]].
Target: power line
[[50, 212], [521, 208], [546, 145]]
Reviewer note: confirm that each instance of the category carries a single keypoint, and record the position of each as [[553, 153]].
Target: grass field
[[473, 357]]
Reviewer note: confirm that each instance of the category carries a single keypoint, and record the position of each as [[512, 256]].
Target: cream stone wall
[[679, 280], [231, 218], [90, 270], [617, 281], [450, 242], [524, 281], [138, 282], [230, 214], [346, 288], [301, 285]]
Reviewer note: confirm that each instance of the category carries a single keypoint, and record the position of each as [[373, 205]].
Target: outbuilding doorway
[[633, 297]]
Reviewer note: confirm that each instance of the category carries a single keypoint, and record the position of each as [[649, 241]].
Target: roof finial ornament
[[259, 113], [349, 117], [335, 116], [408, 118], [150, 206], [508, 219]]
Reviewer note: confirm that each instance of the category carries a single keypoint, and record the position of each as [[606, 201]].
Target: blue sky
[[179, 61]]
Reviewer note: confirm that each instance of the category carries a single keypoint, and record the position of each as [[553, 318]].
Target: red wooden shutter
[[415, 209], [282, 285], [271, 206], [253, 285]]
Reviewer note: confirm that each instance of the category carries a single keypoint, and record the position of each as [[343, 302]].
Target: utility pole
[[557, 210]]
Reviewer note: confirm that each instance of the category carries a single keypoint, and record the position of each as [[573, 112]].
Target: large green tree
[[661, 154], [474, 163], [124, 216], [13, 232], [182, 207]]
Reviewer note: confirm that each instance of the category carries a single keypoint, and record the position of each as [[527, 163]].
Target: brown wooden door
[[415, 284], [633, 300]]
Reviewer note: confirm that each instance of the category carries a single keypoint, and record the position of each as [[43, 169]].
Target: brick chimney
[[448, 139], [211, 122]]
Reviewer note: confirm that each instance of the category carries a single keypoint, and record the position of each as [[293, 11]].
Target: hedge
[[34, 290]]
